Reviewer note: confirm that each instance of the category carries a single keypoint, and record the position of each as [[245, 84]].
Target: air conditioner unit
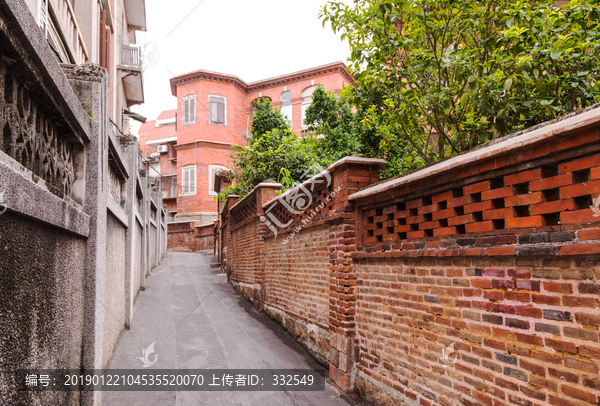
[[162, 149]]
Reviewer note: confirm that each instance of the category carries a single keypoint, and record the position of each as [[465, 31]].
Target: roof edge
[[261, 84]]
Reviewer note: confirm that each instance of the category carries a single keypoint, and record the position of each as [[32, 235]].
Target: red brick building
[[214, 111]]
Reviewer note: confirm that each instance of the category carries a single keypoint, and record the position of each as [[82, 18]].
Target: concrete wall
[[114, 288], [41, 302], [74, 215], [473, 281]]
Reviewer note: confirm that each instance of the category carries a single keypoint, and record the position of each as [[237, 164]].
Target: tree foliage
[[332, 118], [438, 77], [266, 119], [273, 147]]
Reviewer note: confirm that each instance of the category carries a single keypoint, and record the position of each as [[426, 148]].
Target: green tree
[[264, 158], [266, 118], [437, 77], [339, 127], [273, 147], [343, 129]]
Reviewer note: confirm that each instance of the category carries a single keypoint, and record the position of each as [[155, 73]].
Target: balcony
[[57, 20], [131, 74], [169, 187], [131, 55]]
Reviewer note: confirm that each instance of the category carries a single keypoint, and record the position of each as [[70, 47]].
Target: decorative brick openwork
[[32, 136], [185, 227], [314, 208], [245, 212], [547, 188]]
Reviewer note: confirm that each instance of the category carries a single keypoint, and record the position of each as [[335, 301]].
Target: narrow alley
[[197, 321]]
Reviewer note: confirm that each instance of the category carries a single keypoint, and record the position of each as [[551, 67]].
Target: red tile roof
[[167, 114]]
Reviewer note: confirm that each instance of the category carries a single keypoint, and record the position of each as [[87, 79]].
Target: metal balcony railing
[[131, 55]]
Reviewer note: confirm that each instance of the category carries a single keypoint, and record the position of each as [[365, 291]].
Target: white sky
[[253, 40]]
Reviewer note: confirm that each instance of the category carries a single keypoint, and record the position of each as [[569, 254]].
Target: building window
[[286, 107], [189, 110], [212, 171], [217, 108], [189, 180], [306, 101]]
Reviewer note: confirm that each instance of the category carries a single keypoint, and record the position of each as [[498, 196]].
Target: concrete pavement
[[198, 321]]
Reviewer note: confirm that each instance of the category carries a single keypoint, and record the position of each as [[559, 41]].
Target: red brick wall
[[525, 330], [187, 237], [492, 256], [201, 155], [297, 275], [244, 262]]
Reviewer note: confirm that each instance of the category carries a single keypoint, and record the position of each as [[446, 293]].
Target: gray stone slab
[[20, 194]]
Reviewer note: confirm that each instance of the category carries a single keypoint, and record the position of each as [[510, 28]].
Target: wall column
[[90, 84], [349, 175]]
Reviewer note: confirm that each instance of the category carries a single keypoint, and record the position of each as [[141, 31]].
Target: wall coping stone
[[118, 154], [30, 197], [353, 159], [344, 161], [567, 124], [117, 211], [253, 192], [183, 221]]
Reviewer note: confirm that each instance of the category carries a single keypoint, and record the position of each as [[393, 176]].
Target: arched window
[[306, 101], [286, 106], [253, 103]]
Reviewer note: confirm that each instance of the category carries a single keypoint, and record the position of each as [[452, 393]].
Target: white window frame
[[194, 110], [210, 96], [303, 108], [211, 178], [193, 186], [304, 104], [287, 112]]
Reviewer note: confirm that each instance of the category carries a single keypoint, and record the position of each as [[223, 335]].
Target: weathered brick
[[517, 323], [563, 346], [588, 319], [547, 328], [507, 359], [515, 373], [581, 333], [579, 394], [557, 315], [523, 177]]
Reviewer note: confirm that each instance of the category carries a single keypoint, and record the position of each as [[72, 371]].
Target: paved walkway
[[198, 321]]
